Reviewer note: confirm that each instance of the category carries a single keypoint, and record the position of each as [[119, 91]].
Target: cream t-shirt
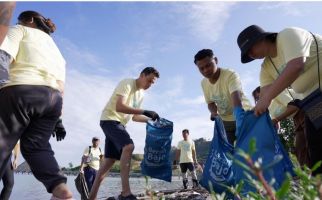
[[94, 157], [37, 59], [294, 43], [279, 104], [133, 98], [186, 148], [220, 93]]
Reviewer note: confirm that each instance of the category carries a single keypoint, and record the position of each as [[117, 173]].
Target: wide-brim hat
[[247, 38]]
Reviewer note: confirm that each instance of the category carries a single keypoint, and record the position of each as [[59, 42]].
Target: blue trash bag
[[275, 160], [157, 162], [218, 171]]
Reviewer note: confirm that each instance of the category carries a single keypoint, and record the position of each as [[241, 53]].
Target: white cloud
[[288, 8], [194, 101], [206, 20]]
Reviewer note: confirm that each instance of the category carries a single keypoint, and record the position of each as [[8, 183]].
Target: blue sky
[[104, 42]]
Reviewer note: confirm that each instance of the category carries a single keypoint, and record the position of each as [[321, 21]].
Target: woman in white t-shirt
[[31, 100], [290, 59]]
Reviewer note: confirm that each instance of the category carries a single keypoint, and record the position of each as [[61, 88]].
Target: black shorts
[[116, 137], [185, 166]]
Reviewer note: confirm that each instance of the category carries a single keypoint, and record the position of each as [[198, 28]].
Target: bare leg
[[102, 172], [61, 191], [125, 164]]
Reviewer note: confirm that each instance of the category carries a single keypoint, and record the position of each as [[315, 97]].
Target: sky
[[105, 42]]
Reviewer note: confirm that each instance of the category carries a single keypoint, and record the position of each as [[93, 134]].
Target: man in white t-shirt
[[123, 105], [222, 90], [188, 160], [91, 162]]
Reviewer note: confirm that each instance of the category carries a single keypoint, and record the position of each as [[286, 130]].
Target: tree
[[70, 165]]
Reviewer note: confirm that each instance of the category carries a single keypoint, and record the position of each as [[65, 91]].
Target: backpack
[[88, 159]]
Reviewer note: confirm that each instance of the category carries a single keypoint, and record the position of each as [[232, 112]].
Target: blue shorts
[[116, 137]]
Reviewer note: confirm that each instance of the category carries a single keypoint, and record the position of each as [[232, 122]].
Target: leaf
[[316, 166], [285, 188], [252, 146]]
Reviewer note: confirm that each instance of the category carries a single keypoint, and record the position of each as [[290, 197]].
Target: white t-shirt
[[133, 97], [37, 59], [220, 93], [93, 157], [186, 148]]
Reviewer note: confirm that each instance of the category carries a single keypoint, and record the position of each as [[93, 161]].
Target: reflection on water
[[28, 188]]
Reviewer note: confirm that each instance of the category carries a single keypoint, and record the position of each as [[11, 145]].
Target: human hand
[[14, 164], [59, 131], [213, 115], [151, 114], [175, 164], [262, 106]]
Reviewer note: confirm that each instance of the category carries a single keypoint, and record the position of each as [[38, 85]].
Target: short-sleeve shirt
[[37, 59], [279, 103], [132, 95], [293, 43], [186, 148], [220, 93], [94, 157]]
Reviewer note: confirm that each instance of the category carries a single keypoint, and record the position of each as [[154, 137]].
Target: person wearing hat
[[290, 59], [123, 105], [222, 90], [91, 159]]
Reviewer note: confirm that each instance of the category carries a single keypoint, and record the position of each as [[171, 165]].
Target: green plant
[[303, 186]]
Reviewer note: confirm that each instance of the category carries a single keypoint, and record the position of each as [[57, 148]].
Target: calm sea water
[[28, 188]]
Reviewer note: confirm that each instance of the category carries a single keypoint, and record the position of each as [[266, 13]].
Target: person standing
[[8, 177], [91, 160], [290, 59], [186, 154], [32, 98], [222, 90], [123, 105]]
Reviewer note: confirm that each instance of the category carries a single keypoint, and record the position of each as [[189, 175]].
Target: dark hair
[[185, 131], [271, 38], [257, 90], [150, 70], [203, 54], [44, 24]]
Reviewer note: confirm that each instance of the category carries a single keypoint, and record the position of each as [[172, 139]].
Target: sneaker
[[195, 183], [185, 184], [129, 197]]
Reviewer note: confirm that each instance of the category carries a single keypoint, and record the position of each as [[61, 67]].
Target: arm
[[16, 151], [194, 156], [236, 99], [140, 118], [289, 111], [123, 108], [177, 157], [288, 76], [213, 110], [6, 10]]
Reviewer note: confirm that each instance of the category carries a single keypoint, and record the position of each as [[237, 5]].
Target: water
[[28, 188]]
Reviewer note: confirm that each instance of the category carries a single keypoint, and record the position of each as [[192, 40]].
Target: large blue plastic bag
[[157, 162], [218, 171], [268, 148]]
